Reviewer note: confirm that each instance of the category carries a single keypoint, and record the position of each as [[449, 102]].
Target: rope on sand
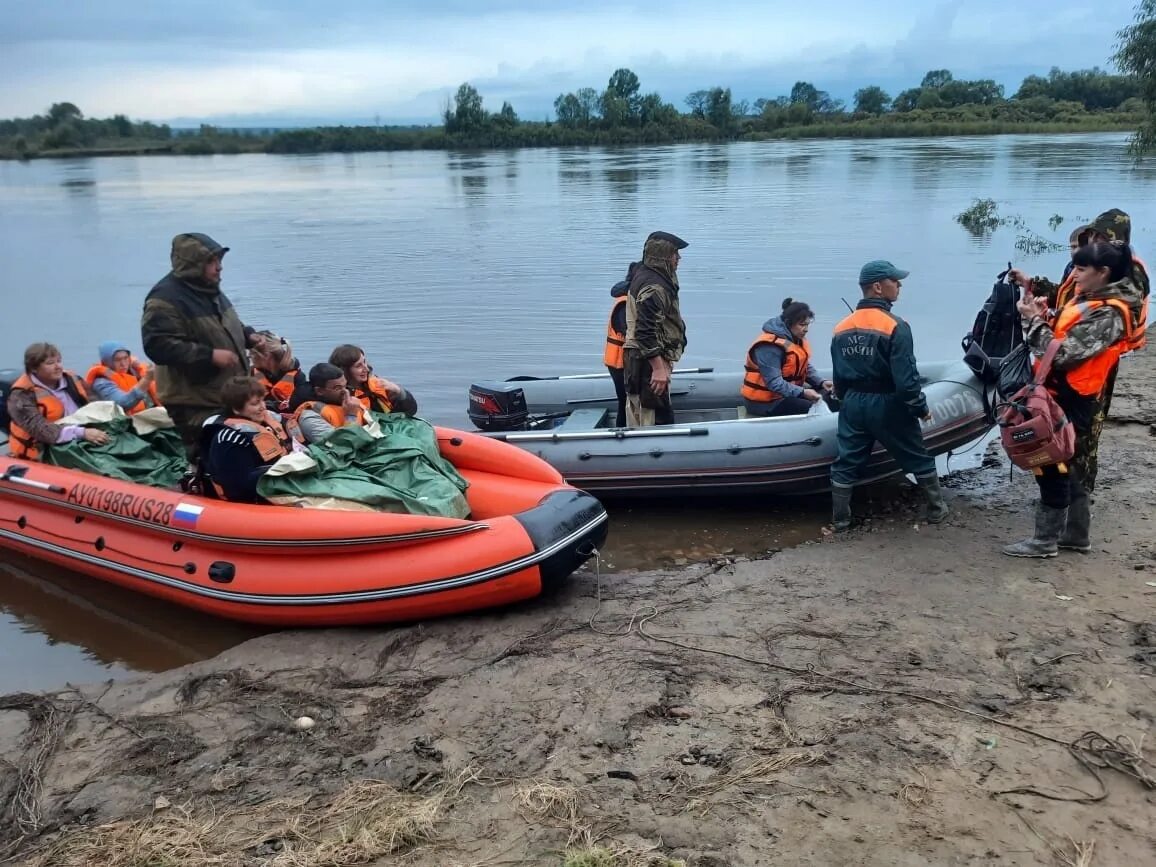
[[1092, 750]]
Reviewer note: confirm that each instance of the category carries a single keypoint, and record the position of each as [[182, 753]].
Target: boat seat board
[[584, 419]]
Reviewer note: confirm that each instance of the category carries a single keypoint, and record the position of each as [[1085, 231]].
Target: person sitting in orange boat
[[374, 393], [243, 442], [122, 379], [275, 367], [41, 397], [326, 406], [780, 379]]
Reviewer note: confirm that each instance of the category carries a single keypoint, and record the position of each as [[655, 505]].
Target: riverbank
[[353, 139], [901, 695]]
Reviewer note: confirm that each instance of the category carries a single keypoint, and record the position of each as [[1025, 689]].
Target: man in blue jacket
[[877, 380]]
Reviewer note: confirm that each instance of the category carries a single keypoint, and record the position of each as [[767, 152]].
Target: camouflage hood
[[191, 251], [656, 256], [1129, 290]]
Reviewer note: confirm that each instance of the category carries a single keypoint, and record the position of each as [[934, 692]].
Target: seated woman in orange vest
[[780, 378], [325, 406], [1095, 327], [275, 368], [374, 393], [122, 379], [41, 397], [244, 441]]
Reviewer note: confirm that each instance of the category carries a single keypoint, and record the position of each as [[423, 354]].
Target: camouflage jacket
[[1096, 331], [183, 321], [654, 324]]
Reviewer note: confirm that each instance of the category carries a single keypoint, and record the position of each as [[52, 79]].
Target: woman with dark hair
[[1094, 328], [375, 393], [780, 378]]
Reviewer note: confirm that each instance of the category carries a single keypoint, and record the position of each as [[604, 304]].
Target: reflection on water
[[458, 266], [653, 534], [65, 626]]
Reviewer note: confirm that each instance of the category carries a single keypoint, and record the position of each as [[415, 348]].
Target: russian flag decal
[[186, 514]]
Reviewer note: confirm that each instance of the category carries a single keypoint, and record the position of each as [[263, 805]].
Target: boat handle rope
[[99, 543], [731, 449]]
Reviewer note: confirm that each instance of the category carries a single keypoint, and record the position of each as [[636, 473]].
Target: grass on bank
[[367, 820]]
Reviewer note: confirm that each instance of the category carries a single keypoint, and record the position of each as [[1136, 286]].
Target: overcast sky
[[352, 60]]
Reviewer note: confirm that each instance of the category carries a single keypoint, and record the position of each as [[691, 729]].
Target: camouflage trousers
[[1090, 463]]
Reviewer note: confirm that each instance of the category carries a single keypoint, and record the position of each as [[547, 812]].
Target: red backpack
[[1033, 429]]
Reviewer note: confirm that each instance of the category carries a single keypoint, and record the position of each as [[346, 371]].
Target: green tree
[[589, 99], [468, 115], [615, 109], [568, 110], [907, 100], [652, 109], [625, 86], [719, 110], [506, 116], [697, 103], [936, 78], [1136, 55], [818, 101], [64, 111], [121, 126], [871, 100]]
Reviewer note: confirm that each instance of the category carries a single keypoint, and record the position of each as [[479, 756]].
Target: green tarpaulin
[[155, 458], [401, 471]]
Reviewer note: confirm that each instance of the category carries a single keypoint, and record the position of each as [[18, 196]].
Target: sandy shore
[[904, 695]]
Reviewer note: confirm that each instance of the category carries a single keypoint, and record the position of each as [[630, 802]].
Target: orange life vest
[[1138, 338], [373, 395], [1089, 377], [20, 442], [126, 382], [796, 358], [615, 339], [332, 413], [269, 438], [1066, 291], [280, 389]]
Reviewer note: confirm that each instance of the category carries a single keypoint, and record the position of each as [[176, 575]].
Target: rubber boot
[[1045, 541], [1078, 526], [841, 507], [936, 507]]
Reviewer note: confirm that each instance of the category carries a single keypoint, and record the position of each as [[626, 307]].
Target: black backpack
[[996, 332]]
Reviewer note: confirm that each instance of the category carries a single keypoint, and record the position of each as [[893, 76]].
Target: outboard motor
[[499, 407], [7, 378]]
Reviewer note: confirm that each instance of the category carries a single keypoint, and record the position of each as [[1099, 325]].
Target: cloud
[[359, 58]]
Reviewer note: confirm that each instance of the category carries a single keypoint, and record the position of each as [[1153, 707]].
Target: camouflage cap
[[1113, 224], [673, 240]]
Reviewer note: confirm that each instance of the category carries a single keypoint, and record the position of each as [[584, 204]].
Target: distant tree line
[[64, 129], [621, 113]]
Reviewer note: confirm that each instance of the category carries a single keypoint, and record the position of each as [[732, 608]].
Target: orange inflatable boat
[[283, 566]]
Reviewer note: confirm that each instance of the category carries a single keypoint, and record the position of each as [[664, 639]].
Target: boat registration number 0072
[[119, 503]]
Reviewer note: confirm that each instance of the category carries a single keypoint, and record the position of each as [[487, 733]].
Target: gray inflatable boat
[[712, 448]]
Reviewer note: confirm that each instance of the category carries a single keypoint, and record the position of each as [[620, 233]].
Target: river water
[[449, 267]]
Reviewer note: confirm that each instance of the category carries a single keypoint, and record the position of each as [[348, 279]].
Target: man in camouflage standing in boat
[[195, 337], [655, 332]]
